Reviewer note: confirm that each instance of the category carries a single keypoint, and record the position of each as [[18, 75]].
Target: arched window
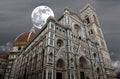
[[95, 18], [95, 56], [87, 19], [77, 29], [91, 31], [50, 57]]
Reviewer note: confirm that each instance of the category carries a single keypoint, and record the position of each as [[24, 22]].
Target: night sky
[[15, 18]]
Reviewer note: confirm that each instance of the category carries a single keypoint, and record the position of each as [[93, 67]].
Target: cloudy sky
[[15, 18]]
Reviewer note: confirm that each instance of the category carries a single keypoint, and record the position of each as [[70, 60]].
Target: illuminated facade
[[72, 47]]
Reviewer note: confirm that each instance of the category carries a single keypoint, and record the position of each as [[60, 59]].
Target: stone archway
[[98, 73], [83, 63], [84, 68], [60, 66]]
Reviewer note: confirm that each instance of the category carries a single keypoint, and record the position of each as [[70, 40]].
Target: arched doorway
[[98, 73], [84, 67], [60, 67]]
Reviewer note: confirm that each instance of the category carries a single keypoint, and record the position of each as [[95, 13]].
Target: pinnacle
[[32, 30]]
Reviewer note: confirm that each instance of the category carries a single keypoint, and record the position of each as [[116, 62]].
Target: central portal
[[60, 67], [58, 75]]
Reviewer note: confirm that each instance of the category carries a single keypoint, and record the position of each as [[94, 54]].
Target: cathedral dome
[[4, 56], [24, 38]]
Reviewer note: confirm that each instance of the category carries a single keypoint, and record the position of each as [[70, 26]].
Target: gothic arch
[[83, 62], [84, 68], [60, 64], [76, 29], [95, 55], [98, 72]]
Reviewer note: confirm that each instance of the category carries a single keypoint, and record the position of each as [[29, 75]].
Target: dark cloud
[[108, 13], [116, 65]]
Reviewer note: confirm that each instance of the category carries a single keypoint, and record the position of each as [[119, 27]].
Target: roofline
[[19, 36], [48, 20], [87, 6], [71, 13]]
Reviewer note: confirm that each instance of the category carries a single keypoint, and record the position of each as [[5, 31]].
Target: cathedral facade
[[72, 47]]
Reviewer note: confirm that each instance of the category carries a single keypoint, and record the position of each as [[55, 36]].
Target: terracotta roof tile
[[4, 56], [24, 38]]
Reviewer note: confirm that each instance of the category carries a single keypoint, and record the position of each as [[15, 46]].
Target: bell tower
[[95, 34], [92, 24]]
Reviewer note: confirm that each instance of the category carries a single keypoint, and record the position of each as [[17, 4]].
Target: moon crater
[[40, 15]]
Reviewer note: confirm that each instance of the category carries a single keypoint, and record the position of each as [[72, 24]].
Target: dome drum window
[[19, 48]]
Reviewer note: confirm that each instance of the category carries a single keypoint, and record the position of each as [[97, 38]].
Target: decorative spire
[[66, 11]]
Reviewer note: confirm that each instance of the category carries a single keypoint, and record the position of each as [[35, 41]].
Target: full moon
[[40, 15]]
